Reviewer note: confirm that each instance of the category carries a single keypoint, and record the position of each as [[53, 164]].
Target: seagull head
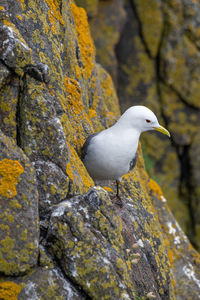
[[141, 119]]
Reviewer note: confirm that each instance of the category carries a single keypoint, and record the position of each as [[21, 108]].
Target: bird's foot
[[118, 201]]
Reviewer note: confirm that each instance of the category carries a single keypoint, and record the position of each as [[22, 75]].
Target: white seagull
[[111, 153]]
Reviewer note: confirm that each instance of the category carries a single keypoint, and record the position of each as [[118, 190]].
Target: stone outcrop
[[62, 237]]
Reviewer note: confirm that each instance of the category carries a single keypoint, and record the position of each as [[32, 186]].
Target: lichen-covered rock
[[179, 73], [179, 51], [136, 73], [47, 283], [53, 95], [195, 177], [54, 185], [14, 51], [96, 247], [42, 283], [19, 210], [105, 30], [9, 94], [150, 17], [184, 260], [91, 6]]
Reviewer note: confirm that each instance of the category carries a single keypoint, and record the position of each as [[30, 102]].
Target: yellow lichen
[[73, 90], [92, 113], [10, 170], [85, 41], [19, 17], [9, 290], [155, 188], [6, 244], [52, 21], [76, 112], [107, 188], [69, 171], [77, 172], [55, 10]]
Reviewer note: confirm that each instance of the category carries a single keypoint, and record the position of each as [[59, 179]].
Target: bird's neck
[[124, 129]]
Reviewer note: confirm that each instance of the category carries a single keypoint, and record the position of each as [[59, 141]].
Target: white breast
[[110, 152]]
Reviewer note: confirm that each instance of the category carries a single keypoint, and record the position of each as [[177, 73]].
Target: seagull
[[111, 153]]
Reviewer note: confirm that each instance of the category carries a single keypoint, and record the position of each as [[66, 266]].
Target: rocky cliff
[[61, 236]]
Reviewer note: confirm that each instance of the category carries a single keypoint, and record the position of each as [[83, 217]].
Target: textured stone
[[105, 30], [90, 239], [184, 260], [91, 6], [9, 94], [42, 283], [150, 16], [47, 283], [194, 188], [179, 54], [19, 210], [136, 73], [14, 52], [53, 185]]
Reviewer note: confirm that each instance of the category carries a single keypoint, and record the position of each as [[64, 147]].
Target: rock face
[[155, 62], [19, 237], [62, 237]]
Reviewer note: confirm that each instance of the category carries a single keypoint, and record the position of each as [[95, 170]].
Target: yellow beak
[[163, 130]]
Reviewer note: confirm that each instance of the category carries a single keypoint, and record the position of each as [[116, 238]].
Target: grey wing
[[133, 162], [86, 144]]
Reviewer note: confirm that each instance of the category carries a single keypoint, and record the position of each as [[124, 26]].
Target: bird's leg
[[117, 186], [119, 200]]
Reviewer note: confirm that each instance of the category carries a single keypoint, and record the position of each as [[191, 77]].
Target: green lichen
[[151, 19], [7, 243], [91, 6], [23, 235], [15, 204]]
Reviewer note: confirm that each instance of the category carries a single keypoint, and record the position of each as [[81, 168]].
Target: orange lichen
[[52, 21], [9, 290], [6, 22], [85, 41], [170, 256], [155, 188], [92, 113], [69, 171], [19, 17], [75, 111], [73, 90], [107, 188], [77, 72], [10, 170], [55, 11], [77, 172]]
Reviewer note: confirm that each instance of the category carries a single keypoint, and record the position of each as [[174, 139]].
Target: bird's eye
[[148, 121]]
